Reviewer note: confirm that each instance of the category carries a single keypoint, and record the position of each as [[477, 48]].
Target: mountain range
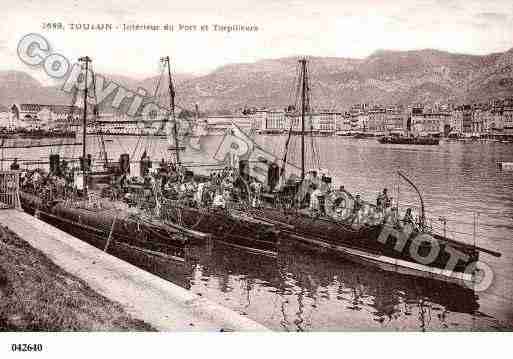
[[385, 77]]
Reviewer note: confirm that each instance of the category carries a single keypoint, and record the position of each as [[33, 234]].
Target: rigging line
[[72, 110], [98, 133], [136, 146], [120, 144], [147, 141]]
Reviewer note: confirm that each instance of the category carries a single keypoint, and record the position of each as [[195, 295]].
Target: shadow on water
[[299, 289]]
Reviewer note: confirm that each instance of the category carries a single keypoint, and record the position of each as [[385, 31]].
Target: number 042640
[[26, 347]]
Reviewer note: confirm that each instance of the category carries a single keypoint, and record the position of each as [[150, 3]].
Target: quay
[[146, 297]]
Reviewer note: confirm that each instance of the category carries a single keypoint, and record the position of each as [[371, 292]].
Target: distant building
[[40, 116], [467, 118], [5, 119], [359, 121], [395, 120], [376, 120], [507, 117], [275, 122], [219, 124], [343, 123], [326, 122], [429, 122]]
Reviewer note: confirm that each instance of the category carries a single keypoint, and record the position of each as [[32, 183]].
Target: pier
[[159, 303]]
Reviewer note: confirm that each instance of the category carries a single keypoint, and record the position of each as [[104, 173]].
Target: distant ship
[[409, 140]]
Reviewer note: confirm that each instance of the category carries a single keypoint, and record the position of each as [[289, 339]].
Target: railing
[[9, 189]]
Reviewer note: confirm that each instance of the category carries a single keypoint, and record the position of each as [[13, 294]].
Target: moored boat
[[339, 221], [409, 140]]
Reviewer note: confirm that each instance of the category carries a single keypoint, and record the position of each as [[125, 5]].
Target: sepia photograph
[[342, 167]]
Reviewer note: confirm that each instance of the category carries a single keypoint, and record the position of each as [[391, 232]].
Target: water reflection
[[303, 290]]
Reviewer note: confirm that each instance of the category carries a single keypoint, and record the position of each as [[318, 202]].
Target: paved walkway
[[164, 305]]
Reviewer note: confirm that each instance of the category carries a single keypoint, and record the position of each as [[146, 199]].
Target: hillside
[[385, 77]]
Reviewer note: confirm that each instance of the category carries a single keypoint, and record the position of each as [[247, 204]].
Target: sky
[[285, 28]]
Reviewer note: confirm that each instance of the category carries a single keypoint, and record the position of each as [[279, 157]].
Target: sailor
[[357, 209], [15, 165], [234, 159], [219, 200], [145, 165], [383, 201], [408, 217], [387, 200], [314, 199], [64, 167], [256, 188], [198, 196], [391, 217], [208, 193], [89, 162], [123, 183], [409, 221], [191, 188], [36, 179]]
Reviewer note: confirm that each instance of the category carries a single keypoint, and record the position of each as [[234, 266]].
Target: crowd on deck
[[221, 189]]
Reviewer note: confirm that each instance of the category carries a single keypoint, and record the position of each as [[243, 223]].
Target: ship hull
[[410, 141], [377, 241], [225, 225], [99, 226]]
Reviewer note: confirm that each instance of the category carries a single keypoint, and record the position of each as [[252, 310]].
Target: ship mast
[[303, 110], [172, 107], [86, 60]]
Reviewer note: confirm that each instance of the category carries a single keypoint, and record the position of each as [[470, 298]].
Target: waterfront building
[[376, 119], [326, 122], [428, 122], [41, 116], [343, 123], [467, 119], [258, 119], [292, 120], [456, 123], [5, 119], [484, 122], [395, 120], [478, 120], [496, 122], [220, 123], [507, 120], [359, 121], [275, 122]]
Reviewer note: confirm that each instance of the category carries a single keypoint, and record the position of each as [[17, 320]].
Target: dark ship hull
[[376, 243], [429, 141], [228, 225], [98, 226]]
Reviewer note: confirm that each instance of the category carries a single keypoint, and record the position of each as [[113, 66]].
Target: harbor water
[[296, 288]]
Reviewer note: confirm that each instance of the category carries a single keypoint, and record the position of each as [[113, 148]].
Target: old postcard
[[341, 166]]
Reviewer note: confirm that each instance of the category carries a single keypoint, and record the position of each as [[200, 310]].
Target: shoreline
[[37, 295], [160, 304]]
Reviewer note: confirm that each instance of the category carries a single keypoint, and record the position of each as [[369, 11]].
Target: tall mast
[[172, 106], [303, 110], [86, 60]]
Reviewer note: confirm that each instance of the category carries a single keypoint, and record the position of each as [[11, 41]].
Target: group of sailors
[[354, 210], [218, 190], [171, 181]]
